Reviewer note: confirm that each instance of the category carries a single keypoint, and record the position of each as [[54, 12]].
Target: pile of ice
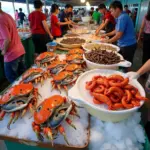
[[125, 135]]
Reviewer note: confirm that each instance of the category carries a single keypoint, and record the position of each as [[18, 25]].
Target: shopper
[[40, 31], [124, 32], [11, 47], [64, 18], [97, 16], [22, 16], [108, 23], [91, 11], [135, 75], [16, 18], [55, 23], [127, 10], [145, 27]]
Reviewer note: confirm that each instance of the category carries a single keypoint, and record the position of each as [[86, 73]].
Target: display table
[[29, 48]]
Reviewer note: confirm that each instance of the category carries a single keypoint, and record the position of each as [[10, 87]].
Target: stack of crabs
[[50, 114]]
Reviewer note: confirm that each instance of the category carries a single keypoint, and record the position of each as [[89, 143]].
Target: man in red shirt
[[40, 31], [108, 23]]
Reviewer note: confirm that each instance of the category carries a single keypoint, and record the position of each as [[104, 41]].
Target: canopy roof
[[73, 2]]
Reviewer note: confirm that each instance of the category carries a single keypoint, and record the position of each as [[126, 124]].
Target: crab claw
[[48, 133], [62, 132], [2, 114], [37, 130], [24, 112], [11, 119]]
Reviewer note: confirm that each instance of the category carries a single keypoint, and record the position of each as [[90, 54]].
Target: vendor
[[124, 32], [65, 18], [40, 30], [11, 47], [108, 23], [55, 23]]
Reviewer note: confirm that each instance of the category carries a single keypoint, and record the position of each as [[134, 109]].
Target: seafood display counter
[[49, 105], [63, 121]]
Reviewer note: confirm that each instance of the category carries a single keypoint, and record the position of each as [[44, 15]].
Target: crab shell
[[72, 67], [56, 64], [33, 71], [17, 90], [44, 55], [46, 108], [74, 56], [76, 51], [62, 75]]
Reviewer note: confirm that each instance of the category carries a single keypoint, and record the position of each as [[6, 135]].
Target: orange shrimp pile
[[114, 91]]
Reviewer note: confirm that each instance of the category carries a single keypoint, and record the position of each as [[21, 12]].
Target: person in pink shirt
[[145, 30], [16, 17], [11, 47]]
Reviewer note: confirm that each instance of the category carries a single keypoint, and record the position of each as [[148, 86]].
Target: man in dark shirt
[[21, 16], [65, 18]]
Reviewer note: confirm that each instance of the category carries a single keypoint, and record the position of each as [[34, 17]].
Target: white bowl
[[79, 94], [86, 19], [92, 65], [58, 40], [87, 46]]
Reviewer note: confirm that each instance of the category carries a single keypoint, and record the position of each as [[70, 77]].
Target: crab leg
[[62, 132], [42, 80], [16, 116], [11, 119], [59, 88], [31, 108], [70, 123], [53, 87], [66, 89], [24, 112], [73, 113], [48, 133], [2, 114]]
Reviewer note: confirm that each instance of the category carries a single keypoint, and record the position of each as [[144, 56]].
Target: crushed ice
[[125, 135]]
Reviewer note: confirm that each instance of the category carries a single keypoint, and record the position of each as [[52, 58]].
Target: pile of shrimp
[[114, 91]]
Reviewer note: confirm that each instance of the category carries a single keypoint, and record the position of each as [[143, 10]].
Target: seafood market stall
[[49, 105]]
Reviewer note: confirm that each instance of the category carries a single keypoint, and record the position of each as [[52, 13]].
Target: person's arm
[[145, 68], [111, 33], [120, 29], [102, 26], [6, 36], [116, 37], [46, 27], [63, 23], [141, 29]]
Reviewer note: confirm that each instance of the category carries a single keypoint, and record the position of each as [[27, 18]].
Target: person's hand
[[103, 35], [96, 32], [138, 40], [3, 52], [133, 75], [105, 41], [70, 22], [51, 37]]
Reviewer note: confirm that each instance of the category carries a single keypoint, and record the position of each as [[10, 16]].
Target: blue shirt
[[125, 24]]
